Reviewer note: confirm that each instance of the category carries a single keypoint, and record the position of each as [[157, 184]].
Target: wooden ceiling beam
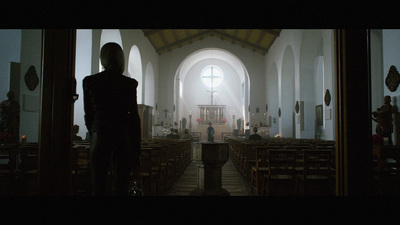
[[234, 34], [200, 34], [176, 36], [241, 42], [272, 32], [246, 39], [163, 38], [148, 32], [260, 37]]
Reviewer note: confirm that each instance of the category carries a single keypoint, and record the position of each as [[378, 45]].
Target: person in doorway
[[255, 136], [210, 132], [112, 118]]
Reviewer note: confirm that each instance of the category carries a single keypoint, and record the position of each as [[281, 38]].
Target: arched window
[[135, 70], [212, 76]]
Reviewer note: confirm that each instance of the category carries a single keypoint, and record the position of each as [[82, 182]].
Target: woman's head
[[112, 57]]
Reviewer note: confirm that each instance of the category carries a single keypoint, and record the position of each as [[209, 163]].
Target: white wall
[[149, 85], [10, 51], [329, 81], [275, 58], [272, 93], [31, 55], [287, 94], [377, 73], [391, 56]]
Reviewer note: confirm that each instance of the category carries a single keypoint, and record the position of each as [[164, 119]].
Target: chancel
[[312, 82]]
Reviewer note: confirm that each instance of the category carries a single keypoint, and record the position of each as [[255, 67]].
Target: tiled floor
[[231, 181]]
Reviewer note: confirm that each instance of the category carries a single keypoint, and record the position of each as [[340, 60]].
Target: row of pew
[[162, 161], [285, 166], [18, 169]]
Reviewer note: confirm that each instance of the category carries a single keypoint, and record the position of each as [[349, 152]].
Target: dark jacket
[[255, 137], [110, 104]]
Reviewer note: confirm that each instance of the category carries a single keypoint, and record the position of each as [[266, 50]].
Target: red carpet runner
[[231, 181]]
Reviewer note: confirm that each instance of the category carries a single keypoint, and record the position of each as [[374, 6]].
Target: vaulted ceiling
[[166, 40]]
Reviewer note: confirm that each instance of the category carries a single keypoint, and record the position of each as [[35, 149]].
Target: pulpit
[[209, 158]]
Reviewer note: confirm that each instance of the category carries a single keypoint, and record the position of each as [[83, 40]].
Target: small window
[[212, 76]]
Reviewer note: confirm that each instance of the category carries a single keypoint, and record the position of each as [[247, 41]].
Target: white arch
[[135, 71], [217, 55], [272, 92], [311, 78], [149, 85], [287, 92]]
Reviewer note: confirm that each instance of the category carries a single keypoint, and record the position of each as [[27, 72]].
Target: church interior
[[311, 94]]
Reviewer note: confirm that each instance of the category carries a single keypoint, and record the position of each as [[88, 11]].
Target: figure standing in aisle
[[210, 132]]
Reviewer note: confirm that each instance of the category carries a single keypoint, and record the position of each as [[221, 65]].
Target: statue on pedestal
[[183, 123], [10, 114], [383, 116], [239, 123]]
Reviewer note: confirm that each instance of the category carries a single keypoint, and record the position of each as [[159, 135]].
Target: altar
[[216, 114]]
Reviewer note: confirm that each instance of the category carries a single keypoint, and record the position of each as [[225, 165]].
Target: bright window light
[[212, 76]]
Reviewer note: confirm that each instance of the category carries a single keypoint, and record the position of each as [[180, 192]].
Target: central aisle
[[231, 181]]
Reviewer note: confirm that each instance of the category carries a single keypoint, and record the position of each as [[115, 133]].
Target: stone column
[[210, 157]]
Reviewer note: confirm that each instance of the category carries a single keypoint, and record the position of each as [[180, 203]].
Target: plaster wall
[[10, 51], [391, 55], [377, 73], [31, 55], [329, 81], [275, 58]]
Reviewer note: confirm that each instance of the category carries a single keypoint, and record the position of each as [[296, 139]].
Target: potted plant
[[223, 120], [199, 120]]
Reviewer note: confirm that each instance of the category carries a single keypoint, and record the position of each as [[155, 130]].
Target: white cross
[[212, 77]]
